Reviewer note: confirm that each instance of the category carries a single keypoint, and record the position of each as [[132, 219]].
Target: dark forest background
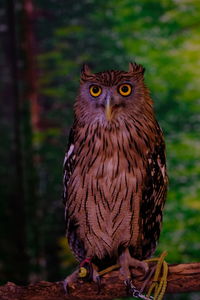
[[43, 45]]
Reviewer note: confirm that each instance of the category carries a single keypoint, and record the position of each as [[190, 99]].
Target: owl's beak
[[108, 108]]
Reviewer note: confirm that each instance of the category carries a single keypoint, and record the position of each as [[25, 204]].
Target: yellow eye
[[125, 89], [95, 90]]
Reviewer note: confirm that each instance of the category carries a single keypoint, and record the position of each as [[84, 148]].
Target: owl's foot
[[87, 272], [126, 261], [70, 280]]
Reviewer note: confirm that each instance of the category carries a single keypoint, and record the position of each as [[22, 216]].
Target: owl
[[115, 179]]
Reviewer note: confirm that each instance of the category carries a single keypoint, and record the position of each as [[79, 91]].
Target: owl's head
[[111, 94]]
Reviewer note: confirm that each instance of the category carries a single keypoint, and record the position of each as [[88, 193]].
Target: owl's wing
[[68, 165], [71, 225], [153, 199]]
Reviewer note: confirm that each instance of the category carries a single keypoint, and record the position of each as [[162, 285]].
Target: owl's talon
[[128, 284], [97, 279], [66, 287], [69, 282], [126, 261]]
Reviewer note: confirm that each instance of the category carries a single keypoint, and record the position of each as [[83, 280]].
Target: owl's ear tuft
[[86, 70], [136, 68], [86, 74]]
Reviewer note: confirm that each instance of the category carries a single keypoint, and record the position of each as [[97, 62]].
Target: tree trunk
[[17, 227]]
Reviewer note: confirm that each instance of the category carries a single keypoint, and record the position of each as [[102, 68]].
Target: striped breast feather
[[68, 164]]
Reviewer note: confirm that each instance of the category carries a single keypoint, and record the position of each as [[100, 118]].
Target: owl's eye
[[95, 90], [125, 89]]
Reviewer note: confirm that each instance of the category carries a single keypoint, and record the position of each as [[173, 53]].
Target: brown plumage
[[115, 178]]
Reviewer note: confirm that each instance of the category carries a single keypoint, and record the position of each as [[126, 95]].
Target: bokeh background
[[43, 45]]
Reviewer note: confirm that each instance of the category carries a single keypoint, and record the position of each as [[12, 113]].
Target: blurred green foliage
[[164, 37]]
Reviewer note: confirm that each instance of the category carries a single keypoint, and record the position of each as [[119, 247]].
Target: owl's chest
[[108, 173], [108, 154], [104, 187]]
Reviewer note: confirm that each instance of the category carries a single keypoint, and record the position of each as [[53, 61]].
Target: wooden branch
[[181, 278]]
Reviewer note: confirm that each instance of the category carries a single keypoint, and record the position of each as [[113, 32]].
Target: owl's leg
[[126, 261], [87, 271]]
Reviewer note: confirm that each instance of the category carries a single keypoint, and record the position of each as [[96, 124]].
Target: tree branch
[[181, 278]]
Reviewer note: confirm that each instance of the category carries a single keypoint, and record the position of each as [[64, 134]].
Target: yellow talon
[[82, 272]]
